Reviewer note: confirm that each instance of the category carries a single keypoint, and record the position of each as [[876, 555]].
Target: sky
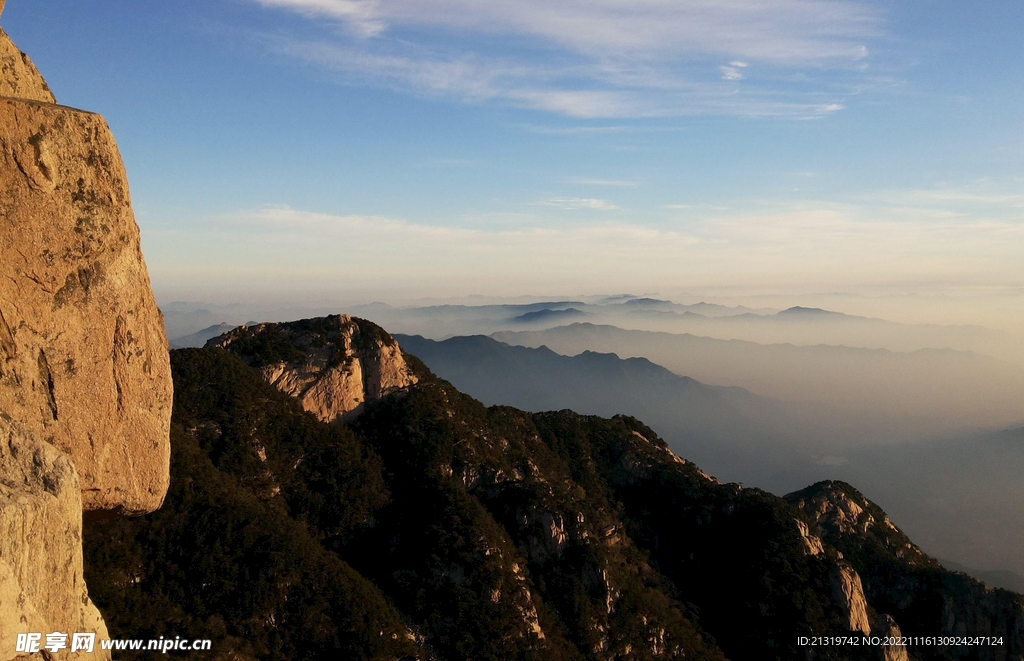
[[397, 148]]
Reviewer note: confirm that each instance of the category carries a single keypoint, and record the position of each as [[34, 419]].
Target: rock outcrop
[[907, 586], [85, 387], [885, 627], [19, 78], [332, 365], [83, 362], [41, 584], [838, 510], [848, 591]]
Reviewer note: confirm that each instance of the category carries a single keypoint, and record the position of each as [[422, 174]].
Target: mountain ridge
[[886, 392], [485, 533], [706, 422]]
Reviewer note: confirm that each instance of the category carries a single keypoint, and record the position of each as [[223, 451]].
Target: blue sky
[[451, 147]]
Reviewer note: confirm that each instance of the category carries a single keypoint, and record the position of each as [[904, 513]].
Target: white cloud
[[777, 244], [806, 31], [579, 203], [472, 79], [730, 73], [586, 59], [359, 15]]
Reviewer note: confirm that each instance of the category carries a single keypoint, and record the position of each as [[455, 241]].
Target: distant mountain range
[[200, 337], [533, 378], [809, 326], [446, 320], [548, 316], [799, 324], [704, 309], [995, 578], [889, 395], [724, 429]]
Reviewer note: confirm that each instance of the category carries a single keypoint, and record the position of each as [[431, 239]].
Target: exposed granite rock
[[85, 387], [41, 585], [812, 543], [19, 78], [885, 627], [720, 512], [901, 580], [332, 365], [84, 363], [838, 512], [848, 591]]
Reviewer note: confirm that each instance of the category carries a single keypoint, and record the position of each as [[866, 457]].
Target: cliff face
[[83, 353], [332, 365], [901, 580], [85, 390], [41, 584]]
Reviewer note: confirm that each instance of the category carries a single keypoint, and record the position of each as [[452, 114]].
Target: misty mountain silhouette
[[200, 337], [547, 315], [889, 394], [727, 429]]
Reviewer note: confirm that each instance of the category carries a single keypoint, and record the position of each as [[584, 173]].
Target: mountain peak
[[333, 365], [648, 302], [548, 314], [800, 310], [839, 510]]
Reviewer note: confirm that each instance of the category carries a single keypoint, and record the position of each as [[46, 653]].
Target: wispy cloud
[[579, 203], [541, 236], [888, 238], [803, 31], [585, 59], [731, 73], [957, 196], [777, 244], [359, 15], [472, 79], [734, 71]]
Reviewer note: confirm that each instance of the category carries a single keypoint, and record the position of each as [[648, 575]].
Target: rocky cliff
[[911, 587], [332, 365], [85, 389], [41, 583]]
